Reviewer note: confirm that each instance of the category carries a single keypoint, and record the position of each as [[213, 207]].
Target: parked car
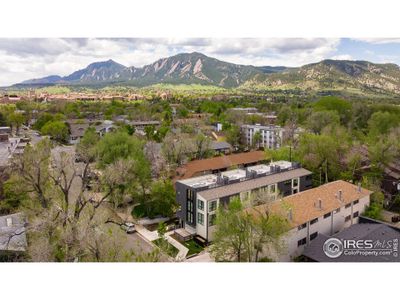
[[396, 219], [128, 227]]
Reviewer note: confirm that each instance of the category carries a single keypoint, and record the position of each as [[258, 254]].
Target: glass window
[[190, 217], [356, 202], [327, 215], [200, 204], [314, 221], [348, 218], [200, 218], [301, 242], [355, 215], [347, 205], [313, 236], [337, 211], [302, 226], [211, 219], [295, 182], [212, 206], [272, 188]]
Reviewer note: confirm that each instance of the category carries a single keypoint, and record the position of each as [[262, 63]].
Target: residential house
[[221, 147], [358, 232], [199, 197], [245, 109], [8, 148], [12, 234]]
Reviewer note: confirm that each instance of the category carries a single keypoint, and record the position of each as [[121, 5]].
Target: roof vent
[[340, 195], [290, 215]]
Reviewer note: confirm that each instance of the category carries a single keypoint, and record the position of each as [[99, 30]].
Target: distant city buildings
[[264, 136]]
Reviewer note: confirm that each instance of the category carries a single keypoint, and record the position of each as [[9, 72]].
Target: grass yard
[[166, 247], [193, 247]]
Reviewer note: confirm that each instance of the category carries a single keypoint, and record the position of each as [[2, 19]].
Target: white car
[[128, 227]]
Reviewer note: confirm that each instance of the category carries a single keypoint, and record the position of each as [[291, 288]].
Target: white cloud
[[23, 59], [342, 57], [378, 40]]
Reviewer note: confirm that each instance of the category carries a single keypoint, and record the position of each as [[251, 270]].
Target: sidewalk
[[183, 251], [147, 234]]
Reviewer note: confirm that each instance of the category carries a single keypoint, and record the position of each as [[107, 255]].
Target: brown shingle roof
[[304, 205], [247, 185], [198, 166]]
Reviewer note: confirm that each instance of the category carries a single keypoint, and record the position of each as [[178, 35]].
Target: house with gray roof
[[383, 244]]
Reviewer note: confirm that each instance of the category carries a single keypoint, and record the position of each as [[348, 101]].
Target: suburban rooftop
[[216, 163], [305, 205]]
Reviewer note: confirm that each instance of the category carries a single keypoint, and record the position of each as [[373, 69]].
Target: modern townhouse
[[271, 136], [199, 197], [325, 210]]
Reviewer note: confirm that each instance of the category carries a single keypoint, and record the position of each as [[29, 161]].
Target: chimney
[[290, 215], [340, 195], [359, 187]]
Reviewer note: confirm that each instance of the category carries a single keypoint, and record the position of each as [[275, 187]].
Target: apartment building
[[325, 210], [271, 136], [199, 197], [219, 164]]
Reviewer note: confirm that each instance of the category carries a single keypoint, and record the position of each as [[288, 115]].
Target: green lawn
[[193, 247], [166, 247]]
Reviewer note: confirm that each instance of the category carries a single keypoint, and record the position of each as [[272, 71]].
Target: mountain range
[[197, 68]]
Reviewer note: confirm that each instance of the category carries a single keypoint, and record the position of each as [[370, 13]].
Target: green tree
[[57, 130], [320, 119], [162, 199], [86, 147], [16, 120], [322, 154], [256, 140], [341, 106], [233, 136], [243, 235], [118, 145], [381, 123]]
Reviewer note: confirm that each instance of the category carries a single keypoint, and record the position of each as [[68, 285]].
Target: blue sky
[[23, 59]]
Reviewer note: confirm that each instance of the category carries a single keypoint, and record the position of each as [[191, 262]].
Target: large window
[[189, 194], [301, 242], [200, 218], [211, 219], [200, 204], [355, 215], [302, 226], [295, 182], [189, 217], [313, 236], [212, 206], [348, 218]]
